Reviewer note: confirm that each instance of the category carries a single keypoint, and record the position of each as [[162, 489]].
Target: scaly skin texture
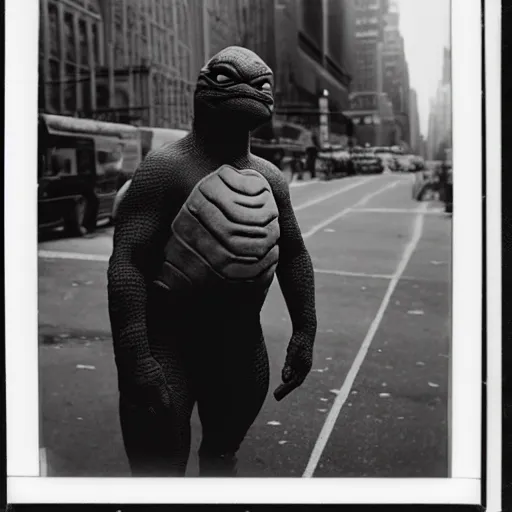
[[176, 349]]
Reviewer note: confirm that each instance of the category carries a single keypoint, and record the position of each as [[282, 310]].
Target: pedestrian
[[199, 235], [311, 155]]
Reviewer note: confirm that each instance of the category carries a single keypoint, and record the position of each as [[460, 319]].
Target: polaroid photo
[[243, 255]]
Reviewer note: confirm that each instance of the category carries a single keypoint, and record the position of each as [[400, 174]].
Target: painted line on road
[[345, 211], [353, 274], [64, 255], [364, 275], [320, 199], [399, 210], [297, 183], [61, 255], [358, 361]]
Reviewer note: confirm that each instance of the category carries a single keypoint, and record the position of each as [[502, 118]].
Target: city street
[[376, 401]]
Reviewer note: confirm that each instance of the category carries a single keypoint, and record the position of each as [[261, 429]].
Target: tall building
[[71, 47], [440, 117], [154, 52], [247, 23], [395, 70], [414, 122], [136, 61], [121, 60], [380, 66], [313, 59], [367, 33]]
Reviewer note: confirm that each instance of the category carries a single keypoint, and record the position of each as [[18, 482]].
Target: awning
[[63, 125]]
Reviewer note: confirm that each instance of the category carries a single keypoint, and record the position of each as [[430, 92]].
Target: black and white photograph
[[246, 262]]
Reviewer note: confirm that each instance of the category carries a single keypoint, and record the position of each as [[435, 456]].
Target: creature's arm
[[140, 230], [296, 279]]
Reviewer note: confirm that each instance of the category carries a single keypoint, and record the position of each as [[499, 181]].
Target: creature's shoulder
[[164, 165], [270, 172]]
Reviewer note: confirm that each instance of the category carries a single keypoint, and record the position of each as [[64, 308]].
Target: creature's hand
[[146, 387], [298, 363]]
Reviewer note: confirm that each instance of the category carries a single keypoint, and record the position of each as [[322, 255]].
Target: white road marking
[[358, 361], [43, 462], [334, 193], [297, 183], [343, 273], [353, 274], [61, 255], [430, 211], [344, 212]]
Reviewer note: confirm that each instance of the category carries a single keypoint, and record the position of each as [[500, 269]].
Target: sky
[[425, 27]]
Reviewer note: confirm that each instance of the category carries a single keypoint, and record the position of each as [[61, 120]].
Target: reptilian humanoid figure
[[200, 233]]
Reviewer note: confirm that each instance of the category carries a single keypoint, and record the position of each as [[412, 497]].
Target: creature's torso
[[226, 233]]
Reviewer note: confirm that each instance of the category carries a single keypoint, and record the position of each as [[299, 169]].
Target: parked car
[[335, 160], [81, 165], [405, 162], [387, 158], [365, 161], [282, 143]]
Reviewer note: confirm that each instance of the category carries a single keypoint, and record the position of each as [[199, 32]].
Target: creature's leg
[[229, 402], [158, 443]]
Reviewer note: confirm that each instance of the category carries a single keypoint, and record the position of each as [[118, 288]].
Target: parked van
[[81, 165], [151, 138], [154, 138]]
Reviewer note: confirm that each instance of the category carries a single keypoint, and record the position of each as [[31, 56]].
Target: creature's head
[[236, 85]]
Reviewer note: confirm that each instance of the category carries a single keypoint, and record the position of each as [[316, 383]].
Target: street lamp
[[323, 105]]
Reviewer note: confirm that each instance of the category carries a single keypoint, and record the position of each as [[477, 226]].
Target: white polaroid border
[[24, 485]]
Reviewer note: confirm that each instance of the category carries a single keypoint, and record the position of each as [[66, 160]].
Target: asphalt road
[[376, 402]]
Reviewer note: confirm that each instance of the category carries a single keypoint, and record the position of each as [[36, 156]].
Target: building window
[[335, 25], [312, 21], [53, 17], [55, 85], [83, 43], [70, 88], [96, 43], [69, 36]]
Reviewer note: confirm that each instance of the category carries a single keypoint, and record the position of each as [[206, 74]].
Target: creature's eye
[[222, 78], [266, 86]]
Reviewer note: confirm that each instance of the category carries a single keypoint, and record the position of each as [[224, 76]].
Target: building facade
[[440, 117], [71, 47], [137, 61], [121, 60], [396, 72], [414, 122], [313, 60], [380, 67], [247, 23], [367, 32]]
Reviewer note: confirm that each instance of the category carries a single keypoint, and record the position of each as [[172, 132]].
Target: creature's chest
[[226, 230]]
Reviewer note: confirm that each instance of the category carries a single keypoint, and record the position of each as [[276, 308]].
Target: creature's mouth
[[247, 96]]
